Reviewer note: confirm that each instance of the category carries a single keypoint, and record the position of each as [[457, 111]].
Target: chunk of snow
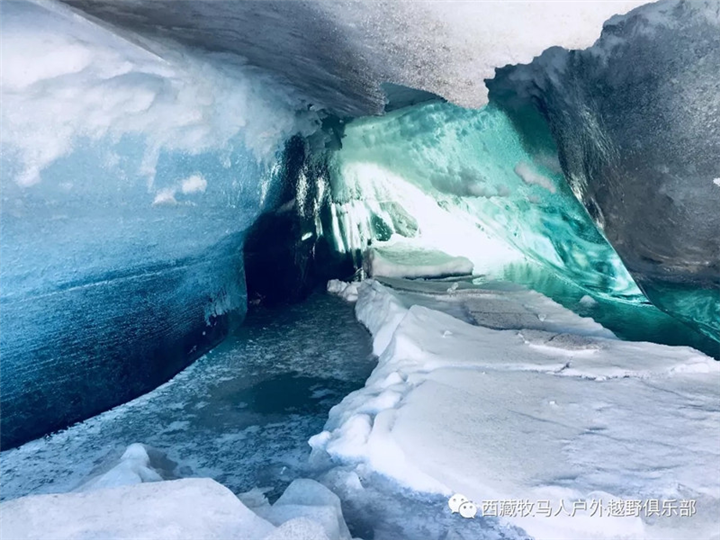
[[193, 184], [165, 197], [535, 415], [587, 301], [345, 290]]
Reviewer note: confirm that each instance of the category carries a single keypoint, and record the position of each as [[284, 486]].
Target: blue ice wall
[[126, 190], [636, 124]]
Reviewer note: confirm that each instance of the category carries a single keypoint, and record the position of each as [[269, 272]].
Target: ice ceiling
[[143, 139]]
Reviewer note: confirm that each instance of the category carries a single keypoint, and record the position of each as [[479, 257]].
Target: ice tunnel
[[167, 163]]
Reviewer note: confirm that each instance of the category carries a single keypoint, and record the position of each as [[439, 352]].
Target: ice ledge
[[534, 415]]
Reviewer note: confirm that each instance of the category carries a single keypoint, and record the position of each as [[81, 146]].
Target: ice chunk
[[134, 468], [197, 508], [405, 260], [305, 498]]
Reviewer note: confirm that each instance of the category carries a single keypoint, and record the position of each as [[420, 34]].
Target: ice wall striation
[[636, 120], [128, 180]]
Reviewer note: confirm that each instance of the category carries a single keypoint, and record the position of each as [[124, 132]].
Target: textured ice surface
[[635, 119], [197, 508], [242, 414], [183, 509], [339, 53], [558, 410], [128, 180]]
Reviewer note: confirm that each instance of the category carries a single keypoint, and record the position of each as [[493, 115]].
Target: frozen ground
[[241, 415], [542, 418]]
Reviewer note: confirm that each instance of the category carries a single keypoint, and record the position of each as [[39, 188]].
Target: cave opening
[[347, 263]]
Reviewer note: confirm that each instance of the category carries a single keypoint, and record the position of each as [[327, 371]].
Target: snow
[[562, 412], [402, 259], [347, 291], [298, 529], [193, 184], [339, 53], [85, 83]]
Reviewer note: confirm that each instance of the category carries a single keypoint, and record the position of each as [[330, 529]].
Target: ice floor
[[242, 414], [493, 391], [543, 418]]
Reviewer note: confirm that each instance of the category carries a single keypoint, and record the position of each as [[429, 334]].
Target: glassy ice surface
[[634, 118], [242, 414], [460, 181]]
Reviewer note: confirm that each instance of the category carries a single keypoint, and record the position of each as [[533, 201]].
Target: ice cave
[[343, 269]]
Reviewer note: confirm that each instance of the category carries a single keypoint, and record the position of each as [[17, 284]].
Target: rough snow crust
[[67, 82], [560, 412], [338, 53]]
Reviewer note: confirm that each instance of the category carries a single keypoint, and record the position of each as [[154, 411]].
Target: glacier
[[635, 120], [128, 183], [518, 200]]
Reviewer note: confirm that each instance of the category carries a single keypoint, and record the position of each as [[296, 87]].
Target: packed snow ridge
[[555, 426]]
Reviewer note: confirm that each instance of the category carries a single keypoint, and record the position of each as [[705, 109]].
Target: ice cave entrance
[[295, 248]]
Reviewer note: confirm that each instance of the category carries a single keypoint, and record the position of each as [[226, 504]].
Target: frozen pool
[[241, 414]]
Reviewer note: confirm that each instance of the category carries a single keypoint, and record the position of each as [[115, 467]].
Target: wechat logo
[[460, 504]]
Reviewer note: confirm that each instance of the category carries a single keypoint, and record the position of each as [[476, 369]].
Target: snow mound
[[405, 260], [85, 83], [564, 419]]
